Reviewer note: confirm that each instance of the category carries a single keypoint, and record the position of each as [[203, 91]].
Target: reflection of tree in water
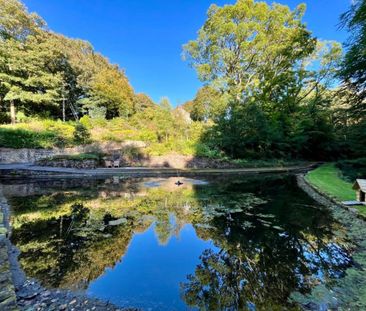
[[69, 232], [70, 250], [268, 250], [261, 262]]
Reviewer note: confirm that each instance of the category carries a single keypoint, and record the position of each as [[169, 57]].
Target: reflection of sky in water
[[149, 274], [160, 230]]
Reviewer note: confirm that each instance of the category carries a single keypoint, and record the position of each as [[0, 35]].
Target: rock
[[27, 295], [117, 222]]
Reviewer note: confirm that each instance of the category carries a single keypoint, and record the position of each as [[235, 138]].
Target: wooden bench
[[108, 163]]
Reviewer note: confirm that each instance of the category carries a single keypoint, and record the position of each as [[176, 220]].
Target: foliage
[[19, 138], [353, 169], [269, 88], [351, 105], [15, 22], [37, 134], [243, 44], [206, 103], [81, 134], [41, 70], [354, 65], [110, 89], [274, 76], [142, 101]]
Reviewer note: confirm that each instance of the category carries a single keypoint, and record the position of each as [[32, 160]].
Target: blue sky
[[145, 37]]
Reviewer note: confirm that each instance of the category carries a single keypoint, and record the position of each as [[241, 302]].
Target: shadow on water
[[221, 243]]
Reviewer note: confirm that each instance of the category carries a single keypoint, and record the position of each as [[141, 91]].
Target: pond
[[211, 243]]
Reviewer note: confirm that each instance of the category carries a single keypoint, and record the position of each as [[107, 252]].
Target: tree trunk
[[63, 111], [12, 112]]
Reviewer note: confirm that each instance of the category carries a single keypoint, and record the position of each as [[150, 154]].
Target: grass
[[328, 179], [37, 134]]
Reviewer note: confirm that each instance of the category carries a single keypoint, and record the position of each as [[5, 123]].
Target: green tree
[[352, 95], [27, 68], [142, 101], [205, 103], [354, 65], [41, 71], [269, 66], [29, 73], [249, 45], [15, 21], [110, 88]]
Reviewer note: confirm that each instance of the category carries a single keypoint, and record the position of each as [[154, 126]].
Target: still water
[[212, 243]]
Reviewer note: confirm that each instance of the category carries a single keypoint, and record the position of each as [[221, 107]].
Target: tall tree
[[351, 100], [205, 104], [39, 67], [29, 73], [16, 22], [269, 66], [354, 65], [142, 102], [245, 45], [110, 88]]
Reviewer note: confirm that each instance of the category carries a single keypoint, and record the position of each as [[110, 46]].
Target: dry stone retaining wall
[[8, 155], [8, 300]]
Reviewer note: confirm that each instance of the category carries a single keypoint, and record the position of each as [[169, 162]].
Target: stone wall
[[8, 300], [8, 155], [178, 161], [82, 164]]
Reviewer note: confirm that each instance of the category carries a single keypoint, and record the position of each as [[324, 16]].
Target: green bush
[[19, 138], [353, 169], [81, 134]]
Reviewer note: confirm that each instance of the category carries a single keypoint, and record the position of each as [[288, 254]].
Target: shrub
[[86, 121], [81, 134], [130, 153], [19, 138], [353, 169]]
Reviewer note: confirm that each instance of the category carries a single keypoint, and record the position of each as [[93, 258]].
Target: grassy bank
[[329, 179]]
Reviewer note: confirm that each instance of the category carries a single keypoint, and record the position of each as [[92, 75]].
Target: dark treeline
[[271, 89]]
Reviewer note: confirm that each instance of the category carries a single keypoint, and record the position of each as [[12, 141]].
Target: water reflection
[[216, 244]]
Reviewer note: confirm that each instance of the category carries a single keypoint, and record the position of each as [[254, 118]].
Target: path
[[13, 169]]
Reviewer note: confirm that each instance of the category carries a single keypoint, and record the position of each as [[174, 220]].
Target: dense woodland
[[270, 88]]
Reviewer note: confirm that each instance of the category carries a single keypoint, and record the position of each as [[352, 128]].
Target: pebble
[[32, 297]]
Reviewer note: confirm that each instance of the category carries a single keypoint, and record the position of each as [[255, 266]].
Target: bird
[[178, 183]]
